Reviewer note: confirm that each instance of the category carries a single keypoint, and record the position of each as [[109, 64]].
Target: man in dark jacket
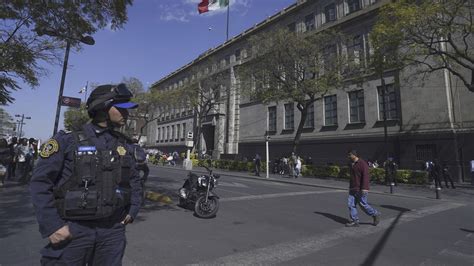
[[359, 190], [85, 187]]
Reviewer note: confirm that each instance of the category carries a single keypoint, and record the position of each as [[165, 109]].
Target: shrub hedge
[[332, 171]]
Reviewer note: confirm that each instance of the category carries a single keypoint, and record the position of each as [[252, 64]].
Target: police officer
[[85, 188]]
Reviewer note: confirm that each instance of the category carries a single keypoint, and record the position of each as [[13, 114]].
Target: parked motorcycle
[[197, 193]]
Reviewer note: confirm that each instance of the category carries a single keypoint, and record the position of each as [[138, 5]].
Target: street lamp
[[20, 123], [84, 39]]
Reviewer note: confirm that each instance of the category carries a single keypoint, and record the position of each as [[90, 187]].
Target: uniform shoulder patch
[[49, 148]]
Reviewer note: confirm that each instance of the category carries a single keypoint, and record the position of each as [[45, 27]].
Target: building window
[[330, 110], [309, 121], [292, 27], [184, 130], [309, 22], [330, 13], [353, 5], [355, 49], [158, 134], [289, 116], [237, 54], [425, 152], [163, 134], [178, 131], [168, 132], [356, 106], [272, 118], [329, 57], [172, 133], [388, 104]]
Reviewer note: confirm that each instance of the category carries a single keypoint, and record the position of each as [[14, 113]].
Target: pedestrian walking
[[12, 166], [257, 162], [298, 166], [21, 153], [291, 165], [447, 175], [85, 187], [434, 172], [359, 190]]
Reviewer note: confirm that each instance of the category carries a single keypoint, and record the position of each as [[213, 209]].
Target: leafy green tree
[[202, 94], [74, 118], [429, 36], [35, 31], [286, 66]]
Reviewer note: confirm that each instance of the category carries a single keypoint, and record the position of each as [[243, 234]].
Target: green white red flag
[[209, 5]]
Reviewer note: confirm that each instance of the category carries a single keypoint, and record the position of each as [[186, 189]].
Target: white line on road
[[287, 251], [278, 195]]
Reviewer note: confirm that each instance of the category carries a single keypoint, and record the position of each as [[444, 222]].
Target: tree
[[286, 66], [148, 103], [203, 94], [134, 85], [7, 123], [35, 31], [430, 35], [74, 118]]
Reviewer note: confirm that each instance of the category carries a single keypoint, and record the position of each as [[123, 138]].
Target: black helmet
[[106, 96]]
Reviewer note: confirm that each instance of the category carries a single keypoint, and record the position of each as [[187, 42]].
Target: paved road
[[264, 222]]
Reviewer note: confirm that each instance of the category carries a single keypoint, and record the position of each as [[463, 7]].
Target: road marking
[[231, 184], [458, 254], [287, 251], [278, 195]]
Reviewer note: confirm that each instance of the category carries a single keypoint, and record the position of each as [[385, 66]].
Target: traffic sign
[[70, 101], [190, 135]]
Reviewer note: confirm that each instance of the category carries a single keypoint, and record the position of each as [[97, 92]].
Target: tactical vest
[[99, 184]]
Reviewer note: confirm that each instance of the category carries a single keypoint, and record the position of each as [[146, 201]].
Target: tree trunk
[[304, 114]]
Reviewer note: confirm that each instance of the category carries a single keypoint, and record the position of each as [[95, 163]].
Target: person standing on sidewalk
[[85, 188], [447, 175], [390, 171], [258, 162], [359, 190]]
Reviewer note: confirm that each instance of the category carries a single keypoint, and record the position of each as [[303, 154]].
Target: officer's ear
[[100, 116]]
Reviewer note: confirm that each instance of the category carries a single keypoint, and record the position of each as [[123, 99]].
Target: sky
[[159, 37]]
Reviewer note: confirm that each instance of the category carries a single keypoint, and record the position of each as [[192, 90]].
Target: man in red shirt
[[359, 190]]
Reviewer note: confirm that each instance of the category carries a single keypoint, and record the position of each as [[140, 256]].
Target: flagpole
[[227, 31]]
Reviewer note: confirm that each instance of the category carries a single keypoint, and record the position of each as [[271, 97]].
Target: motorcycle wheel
[[205, 209]]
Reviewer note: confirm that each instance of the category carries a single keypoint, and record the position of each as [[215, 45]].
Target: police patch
[[121, 150], [49, 148]]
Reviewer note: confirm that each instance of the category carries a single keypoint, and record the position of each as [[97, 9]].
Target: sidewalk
[[463, 192]]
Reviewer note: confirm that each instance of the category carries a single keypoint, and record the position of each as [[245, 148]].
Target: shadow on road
[[379, 246], [333, 217], [466, 230]]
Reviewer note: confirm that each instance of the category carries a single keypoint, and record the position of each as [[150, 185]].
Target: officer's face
[[118, 115]]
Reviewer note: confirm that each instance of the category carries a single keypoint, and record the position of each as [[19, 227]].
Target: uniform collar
[[98, 130]]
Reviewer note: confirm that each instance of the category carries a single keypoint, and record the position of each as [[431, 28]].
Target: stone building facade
[[426, 119]]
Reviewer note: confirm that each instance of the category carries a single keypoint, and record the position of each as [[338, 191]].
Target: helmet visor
[[126, 105]]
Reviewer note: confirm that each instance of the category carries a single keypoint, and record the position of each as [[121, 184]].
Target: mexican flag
[[207, 5]]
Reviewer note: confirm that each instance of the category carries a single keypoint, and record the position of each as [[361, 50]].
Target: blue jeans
[[359, 197]]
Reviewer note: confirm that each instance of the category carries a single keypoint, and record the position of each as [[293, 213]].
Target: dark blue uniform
[[101, 241]]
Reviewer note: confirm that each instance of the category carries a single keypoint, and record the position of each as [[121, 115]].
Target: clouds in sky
[[184, 10]]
